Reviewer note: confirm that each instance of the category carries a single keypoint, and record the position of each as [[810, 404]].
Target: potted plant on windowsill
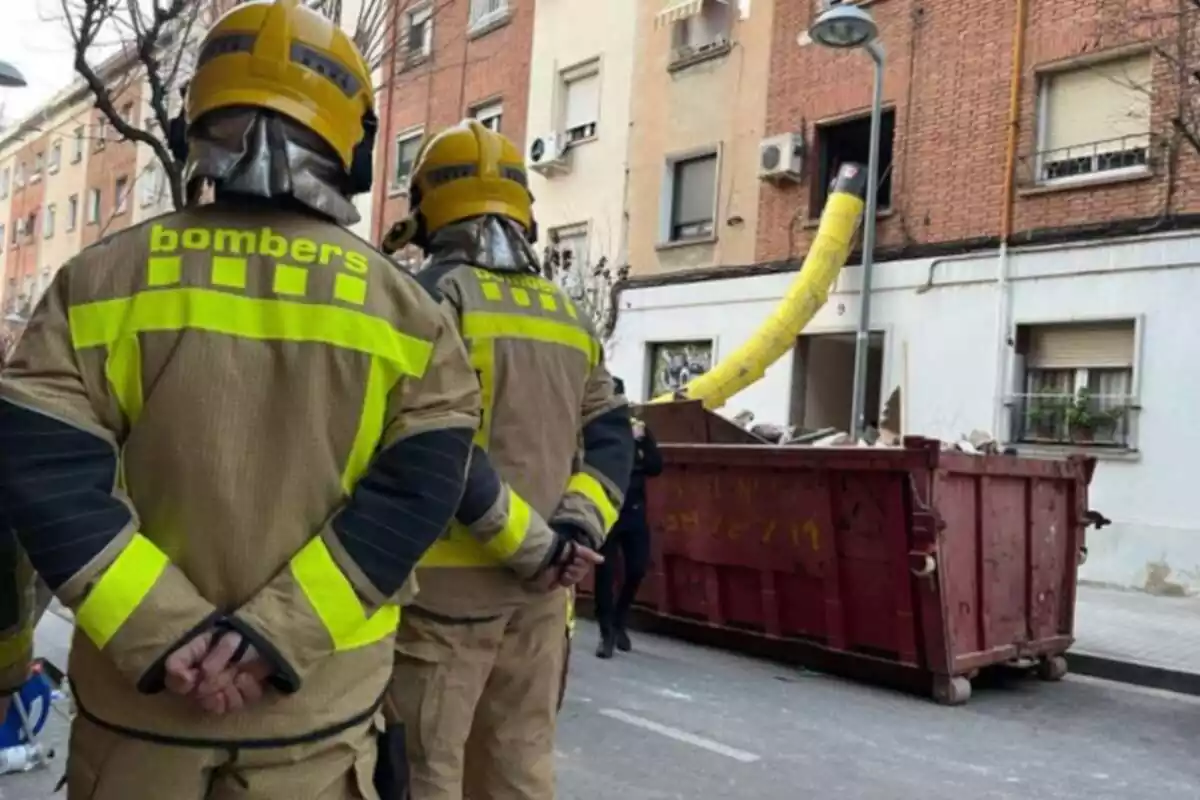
[[1043, 418], [1082, 421]]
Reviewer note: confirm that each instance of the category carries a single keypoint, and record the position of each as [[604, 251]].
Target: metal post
[[862, 345]]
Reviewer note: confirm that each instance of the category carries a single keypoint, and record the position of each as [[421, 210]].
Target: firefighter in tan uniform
[[480, 654], [226, 439]]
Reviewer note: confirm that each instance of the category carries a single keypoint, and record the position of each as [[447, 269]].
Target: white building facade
[[1113, 318], [580, 80]]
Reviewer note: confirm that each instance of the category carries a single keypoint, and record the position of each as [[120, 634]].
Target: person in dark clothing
[[631, 538]]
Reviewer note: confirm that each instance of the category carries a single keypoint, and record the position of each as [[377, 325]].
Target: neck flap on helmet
[[491, 241], [254, 152]]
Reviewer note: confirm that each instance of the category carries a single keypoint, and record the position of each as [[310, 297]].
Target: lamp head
[[843, 27], [10, 76]]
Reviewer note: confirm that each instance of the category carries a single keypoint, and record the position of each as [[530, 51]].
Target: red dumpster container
[[908, 565]]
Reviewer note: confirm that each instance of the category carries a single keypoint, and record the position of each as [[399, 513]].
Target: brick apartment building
[[455, 58], [1051, 304], [1057, 316]]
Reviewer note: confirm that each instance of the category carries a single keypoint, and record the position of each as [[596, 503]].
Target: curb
[[1132, 672]]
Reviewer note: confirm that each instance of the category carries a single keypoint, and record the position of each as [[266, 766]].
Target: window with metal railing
[[1078, 385], [1111, 157], [1093, 122]]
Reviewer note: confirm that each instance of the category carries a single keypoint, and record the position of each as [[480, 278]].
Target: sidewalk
[[1138, 638]]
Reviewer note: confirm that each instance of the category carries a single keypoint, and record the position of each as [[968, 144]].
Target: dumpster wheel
[[951, 690], [1052, 668]]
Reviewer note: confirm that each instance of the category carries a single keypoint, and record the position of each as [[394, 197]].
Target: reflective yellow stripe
[[124, 372], [570, 612], [381, 378], [16, 648], [495, 325], [458, 548], [104, 322], [508, 541], [121, 589], [336, 604], [483, 360], [591, 488]]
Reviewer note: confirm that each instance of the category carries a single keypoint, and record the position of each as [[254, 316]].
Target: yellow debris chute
[[808, 292]]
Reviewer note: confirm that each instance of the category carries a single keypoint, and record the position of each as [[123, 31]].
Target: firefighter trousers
[[105, 765], [478, 701]]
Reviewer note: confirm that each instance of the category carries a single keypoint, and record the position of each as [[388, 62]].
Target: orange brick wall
[[947, 76], [21, 260], [116, 159], [461, 72]]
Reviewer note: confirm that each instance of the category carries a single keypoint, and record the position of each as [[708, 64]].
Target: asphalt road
[[673, 720]]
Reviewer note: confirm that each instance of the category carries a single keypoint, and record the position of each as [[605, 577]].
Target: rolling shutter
[[1108, 344], [1089, 110]]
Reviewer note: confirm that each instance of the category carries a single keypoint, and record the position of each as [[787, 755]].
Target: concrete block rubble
[[885, 434]]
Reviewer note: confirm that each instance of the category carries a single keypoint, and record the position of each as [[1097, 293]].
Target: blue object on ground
[[36, 696]]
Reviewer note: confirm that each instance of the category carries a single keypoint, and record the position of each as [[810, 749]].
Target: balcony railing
[[1079, 419], [1125, 155]]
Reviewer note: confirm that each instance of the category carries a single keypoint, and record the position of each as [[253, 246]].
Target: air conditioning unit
[[549, 154], [781, 158]]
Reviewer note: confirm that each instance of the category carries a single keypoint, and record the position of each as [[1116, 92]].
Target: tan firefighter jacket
[[552, 428], [242, 417]]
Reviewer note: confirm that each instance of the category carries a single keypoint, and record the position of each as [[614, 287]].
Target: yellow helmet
[[467, 171], [289, 59]]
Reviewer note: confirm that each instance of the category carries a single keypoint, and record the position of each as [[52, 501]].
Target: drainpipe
[[1006, 219]]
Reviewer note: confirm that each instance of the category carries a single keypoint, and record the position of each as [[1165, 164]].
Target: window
[[18, 231], [127, 112], [101, 131], [673, 364], [72, 212], [122, 195], [407, 146], [31, 225], [93, 206], [5, 176], [19, 177], [850, 141], [420, 32], [44, 282], [153, 184], [693, 190], [581, 102], [486, 12], [77, 147], [1078, 384], [568, 254], [2, 239], [697, 28], [1094, 120], [489, 114], [55, 157], [48, 221], [39, 161]]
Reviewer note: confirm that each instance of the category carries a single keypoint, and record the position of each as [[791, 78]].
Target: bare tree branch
[[592, 285], [1170, 29], [153, 37]]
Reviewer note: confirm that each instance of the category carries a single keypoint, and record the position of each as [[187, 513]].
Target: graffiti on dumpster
[[806, 531], [800, 533]]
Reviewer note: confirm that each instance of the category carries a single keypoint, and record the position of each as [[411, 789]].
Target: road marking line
[[681, 736]]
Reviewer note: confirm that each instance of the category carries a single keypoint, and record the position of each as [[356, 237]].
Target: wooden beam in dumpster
[[688, 422]]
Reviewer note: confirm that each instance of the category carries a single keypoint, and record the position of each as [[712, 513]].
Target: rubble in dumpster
[[885, 434]]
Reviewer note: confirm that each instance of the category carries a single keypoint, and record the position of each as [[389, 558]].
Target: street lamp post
[[843, 27]]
